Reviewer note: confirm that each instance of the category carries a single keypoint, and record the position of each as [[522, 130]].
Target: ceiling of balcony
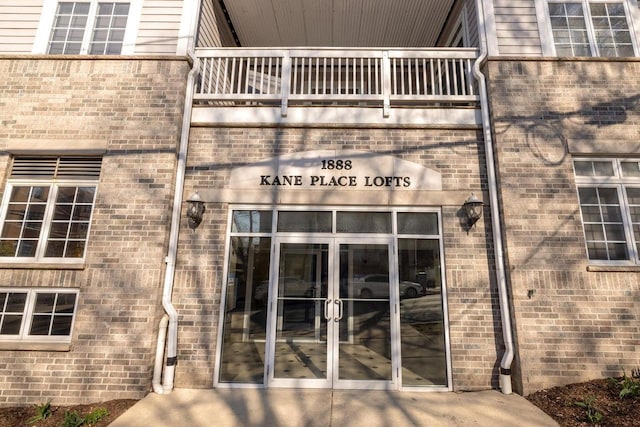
[[338, 23]]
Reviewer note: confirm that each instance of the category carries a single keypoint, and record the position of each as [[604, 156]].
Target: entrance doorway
[[332, 323], [331, 298]]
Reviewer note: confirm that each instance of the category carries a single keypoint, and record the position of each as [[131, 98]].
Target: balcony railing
[[331, 77]]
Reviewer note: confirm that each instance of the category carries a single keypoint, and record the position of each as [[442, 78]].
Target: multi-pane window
[[96, 28], [590, 28], [609, 196], [36, 315], [47, 208]]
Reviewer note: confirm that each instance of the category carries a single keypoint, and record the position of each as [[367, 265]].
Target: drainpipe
[[170, 324], [507, 358]]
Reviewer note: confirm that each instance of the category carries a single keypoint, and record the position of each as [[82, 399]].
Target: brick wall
[[571, 324], [133, 107], [476, 338]]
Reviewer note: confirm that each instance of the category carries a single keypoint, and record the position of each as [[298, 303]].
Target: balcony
[[336, 86]]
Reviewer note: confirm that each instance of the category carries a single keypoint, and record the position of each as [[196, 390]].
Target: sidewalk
[[335, 408]]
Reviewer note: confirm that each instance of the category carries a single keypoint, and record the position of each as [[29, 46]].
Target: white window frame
[[546, 33], [620, 183], [27, 316], [47, 19], [54, 184]]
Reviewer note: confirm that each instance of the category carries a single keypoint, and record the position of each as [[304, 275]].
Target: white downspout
[[157, 366], [171, 334], [507, 358]]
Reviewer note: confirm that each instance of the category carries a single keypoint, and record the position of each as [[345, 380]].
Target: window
[[609, 196], [590, 28], [96, 28], [37, 314], [47, 208]]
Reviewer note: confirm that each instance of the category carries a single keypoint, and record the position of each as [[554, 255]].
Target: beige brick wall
[[133, 107], [476, 337], [571, 324]]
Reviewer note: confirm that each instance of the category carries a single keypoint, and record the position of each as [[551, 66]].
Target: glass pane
[[421, 317], [603, 168], [588, 196], [61, 325], [66, 195], [11, 230], [82, 212], [614, 232], [85, 195], [11, 324], [593, 232], [630, 169], [55, 249], [75, 249], [20, 194], [79, 230], [245, 321], [583, 168], [597, 251], [40, 324], [59, 230], [301, 330], [618, 251], [65, 303], [363, 222], [251, 221], [62, 212], [417, 223], [364, 329], [121, 9], [105, 8], [608, 196], [27, 248], [16, 302], [8, 248], [633, 196], [44, 303], [300, 221]]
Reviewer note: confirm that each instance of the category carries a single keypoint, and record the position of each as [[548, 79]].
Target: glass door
[[364, 352], [301, 307], [332, 329]]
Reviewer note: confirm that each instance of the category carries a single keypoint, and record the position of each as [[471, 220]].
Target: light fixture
[[195, 209], [472, 209]]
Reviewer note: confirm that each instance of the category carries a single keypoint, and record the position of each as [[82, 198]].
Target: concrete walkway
[[335, 408]]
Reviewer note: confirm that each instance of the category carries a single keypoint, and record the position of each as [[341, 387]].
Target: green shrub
[[593, 415], [72, 419], [43, 411], [96, 415]]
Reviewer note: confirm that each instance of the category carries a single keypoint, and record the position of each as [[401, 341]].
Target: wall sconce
[[472, 209], [195, 209]]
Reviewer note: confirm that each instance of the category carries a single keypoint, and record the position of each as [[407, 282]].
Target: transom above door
[[334, 298]]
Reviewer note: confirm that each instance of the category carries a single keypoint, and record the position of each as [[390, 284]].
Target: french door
[[331, 307]]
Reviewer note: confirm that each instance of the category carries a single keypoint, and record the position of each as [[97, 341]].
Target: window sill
[[34, 346], [42, 265], [614, 268]]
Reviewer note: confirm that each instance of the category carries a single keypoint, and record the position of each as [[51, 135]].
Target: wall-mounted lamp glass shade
[[195, 209], [473, 209]]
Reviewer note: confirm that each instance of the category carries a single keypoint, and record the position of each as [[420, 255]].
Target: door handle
[[326, 309], [339, 302]]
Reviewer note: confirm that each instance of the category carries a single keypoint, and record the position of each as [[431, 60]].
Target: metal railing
[[348, 77]]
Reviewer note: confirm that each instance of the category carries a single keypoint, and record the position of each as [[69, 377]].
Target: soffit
[[338, 23]]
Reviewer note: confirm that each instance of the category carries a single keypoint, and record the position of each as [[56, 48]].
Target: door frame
[[273, 234], [332, 379]]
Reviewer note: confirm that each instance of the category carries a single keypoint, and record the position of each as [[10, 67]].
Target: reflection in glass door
[[364, 301], [332, 330], [300, 350]]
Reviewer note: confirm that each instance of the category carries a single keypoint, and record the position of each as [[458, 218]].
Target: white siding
[[213, 30], [159, 27], [517, 27], [18, 25]]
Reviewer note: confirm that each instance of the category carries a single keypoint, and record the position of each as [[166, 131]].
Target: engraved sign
[[343, 169]]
